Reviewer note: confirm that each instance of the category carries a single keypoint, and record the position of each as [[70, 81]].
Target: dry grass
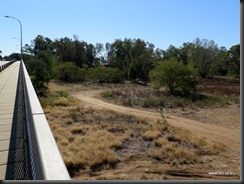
[[93, 149], [218, 92], [160, 142], [151, 135], [61, 101], [181, 146], [200, 144], [171, 154], [93, 140]]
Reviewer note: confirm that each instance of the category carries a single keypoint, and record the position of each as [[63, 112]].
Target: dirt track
[[228, 136]]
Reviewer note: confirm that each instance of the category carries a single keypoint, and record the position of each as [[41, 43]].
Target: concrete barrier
[[5, 64], [46, 160]]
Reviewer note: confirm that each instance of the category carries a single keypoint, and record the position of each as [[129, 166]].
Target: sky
[[160, 22]]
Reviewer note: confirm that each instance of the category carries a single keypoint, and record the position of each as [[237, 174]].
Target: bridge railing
[[5, 64], [45, 157]]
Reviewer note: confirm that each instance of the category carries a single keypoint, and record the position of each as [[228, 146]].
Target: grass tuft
[[171, 154], [62, 93], [150, 135]]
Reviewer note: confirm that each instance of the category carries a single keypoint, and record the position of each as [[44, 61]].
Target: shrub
[[61, 101], [153, 102], [69, 72], [62, 94], [102, 74], [178, 79]]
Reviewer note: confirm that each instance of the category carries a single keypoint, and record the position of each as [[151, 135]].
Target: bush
[[178, 79], [102, 74], [153, 102], [69, 72], [62, 94], [39, 75]]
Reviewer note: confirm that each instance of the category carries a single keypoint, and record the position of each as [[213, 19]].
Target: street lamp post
[[21, 50]]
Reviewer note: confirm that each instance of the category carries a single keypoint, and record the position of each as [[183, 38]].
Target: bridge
[[28, 150]]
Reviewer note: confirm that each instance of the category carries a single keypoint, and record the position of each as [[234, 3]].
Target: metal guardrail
[[5, 64], [45, 158]]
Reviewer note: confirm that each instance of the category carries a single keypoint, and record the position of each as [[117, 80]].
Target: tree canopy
[[128, 59], [177, 78]]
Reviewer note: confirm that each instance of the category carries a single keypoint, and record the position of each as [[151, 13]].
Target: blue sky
[[161, 22]]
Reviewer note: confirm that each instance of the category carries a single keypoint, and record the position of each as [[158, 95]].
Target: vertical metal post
[[21, 50]]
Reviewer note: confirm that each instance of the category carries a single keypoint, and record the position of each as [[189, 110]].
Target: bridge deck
[[12, 152]]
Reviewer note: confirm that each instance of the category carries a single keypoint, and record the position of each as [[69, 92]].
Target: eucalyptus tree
[[221, 66], [64, 49], [40, 60], [171, 52], [185, 52], [204, 54], [234, 60], [99, 50], [133, 57], [90, 55], [175, 76]]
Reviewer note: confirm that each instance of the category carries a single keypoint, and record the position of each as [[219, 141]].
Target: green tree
[[90, 54], [175, 76], [69, 72], [99, 49], [221, 66], [39, 75], [41, 63], [171, 52], [41, 43], [158, 54], [203, 55], [233, 59], [64, 49], [133, 57], [101, 74], [185, 52], [13, 56], [79, 52]]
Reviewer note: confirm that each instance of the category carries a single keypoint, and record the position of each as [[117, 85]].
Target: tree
[[41, 43], [90, 54], [203, 55], [171, 52], [99, 49], [39, 75], [41, 63], [27, 49], [158, 54], [233, 59], [221, 66], [69, 72], [177, 78], [133, 57], [103, 74], [79, 52], [64, 49], [185, 52], [13, 56]]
